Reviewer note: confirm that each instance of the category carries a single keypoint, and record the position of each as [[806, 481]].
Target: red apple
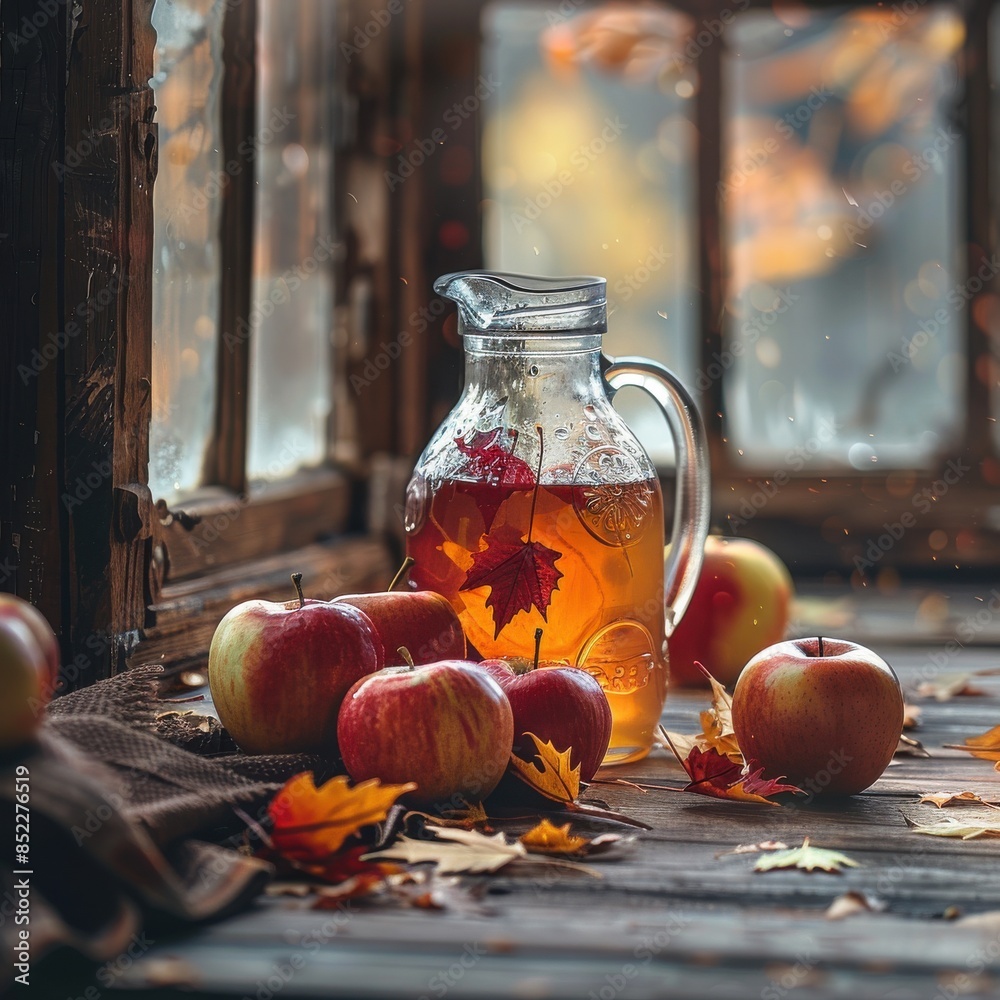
[[740, 604], [278, 672], [826, 713], [562, 705], [24, 683], [446, 726], [422, 621], [14, 607]]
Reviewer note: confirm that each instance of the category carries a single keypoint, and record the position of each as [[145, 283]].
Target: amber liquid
[[605, 613]]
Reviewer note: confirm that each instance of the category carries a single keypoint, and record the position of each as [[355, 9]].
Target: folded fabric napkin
[[133, 813]]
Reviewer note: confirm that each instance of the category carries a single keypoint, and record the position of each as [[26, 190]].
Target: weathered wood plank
[[668, 917]]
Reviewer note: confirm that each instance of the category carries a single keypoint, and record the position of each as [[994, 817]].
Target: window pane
[[844, 314], [186, 207], [588, 152], [291, 317]]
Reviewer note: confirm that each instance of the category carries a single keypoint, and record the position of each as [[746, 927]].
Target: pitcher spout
[[501, 303]]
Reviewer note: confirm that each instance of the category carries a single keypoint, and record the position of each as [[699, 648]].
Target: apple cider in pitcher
[[583, 562], [533, 506]]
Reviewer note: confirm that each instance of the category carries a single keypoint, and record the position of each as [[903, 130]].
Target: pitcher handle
[[692, 501]]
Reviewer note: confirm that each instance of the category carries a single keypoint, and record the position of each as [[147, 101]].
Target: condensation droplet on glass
[[561, 433], [590, 412], [593, 432], [533, 370]]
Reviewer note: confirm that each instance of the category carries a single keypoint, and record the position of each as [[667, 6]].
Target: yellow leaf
[[807, 857], [717, 731], [312, 823], [986, 746], [547, 838], [555, 779]]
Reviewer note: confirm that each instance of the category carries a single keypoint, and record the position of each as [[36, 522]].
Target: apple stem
[[821, 653], [538, 647], [297, 580], [405, 654], [401, 573]]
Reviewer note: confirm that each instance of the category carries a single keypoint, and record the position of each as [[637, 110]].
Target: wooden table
[[670, 918]]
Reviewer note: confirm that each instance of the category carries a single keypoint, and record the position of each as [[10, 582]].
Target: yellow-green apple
[[422, 621], [13, 607], [278, 672], [740, 604], [446, 726], [560, 704], [24, 683], [825, 713]]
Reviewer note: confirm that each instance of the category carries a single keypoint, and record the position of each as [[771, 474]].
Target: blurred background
[[792, 204]]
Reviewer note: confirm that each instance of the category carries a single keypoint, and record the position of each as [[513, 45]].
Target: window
[[186, 431], [800, 191]]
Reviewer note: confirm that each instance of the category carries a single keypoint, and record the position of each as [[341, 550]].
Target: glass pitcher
[[534, 506]]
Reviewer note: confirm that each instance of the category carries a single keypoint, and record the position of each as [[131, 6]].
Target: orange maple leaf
[[550, 774], [311, 823], [547, 838], [986, 746]]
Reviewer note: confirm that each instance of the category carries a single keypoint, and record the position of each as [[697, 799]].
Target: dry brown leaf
[[455, 851], [947, 687], [311, 823], [911, 716], [909, 747], [555, 779], [851, 903], [467, 819], [951, 827], [682, 744], [942, 799], [764, 845], [547, 838], [986, 746], [717, 731]]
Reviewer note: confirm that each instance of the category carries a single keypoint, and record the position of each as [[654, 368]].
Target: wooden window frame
[[122, 578], [791, 520]]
